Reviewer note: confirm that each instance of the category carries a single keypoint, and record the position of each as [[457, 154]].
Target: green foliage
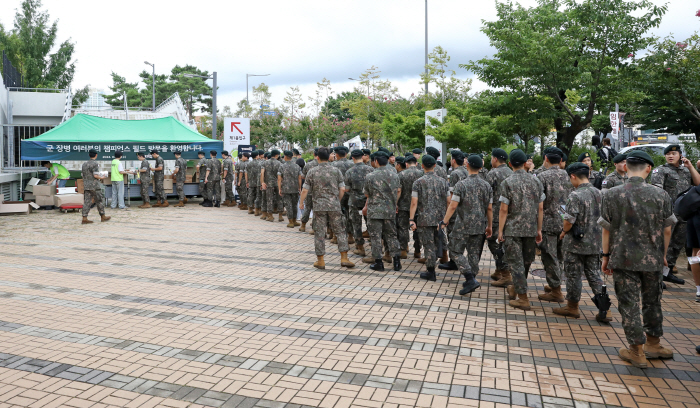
[[333, 106], [406, 132], [81, 95], [577, 149], [119, 87], [194, 92]]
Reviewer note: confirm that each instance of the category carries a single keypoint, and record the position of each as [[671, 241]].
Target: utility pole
[[426, 45]]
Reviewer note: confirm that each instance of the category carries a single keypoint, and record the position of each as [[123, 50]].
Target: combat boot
[[263, 215], [634, 355], [522, 302], [603, 317], [145, 205], [86, 221], [227, 202], [654, 349], [554, 295], [243, 207], [386, 257], [311, 232], [496, 275], [378, 265], [351, 239], [547, 289], [320, 263], [105, 218], [359, 250], [303, 227], [180, 204], [344, 261], [404, 254], [157, 204], [291, 223], [397, 263], [165, 204], [506, 279], [251, 210], [416, 254], [429, 275], [257, 212], [281, 218], [231, 204], [368, 259], [421, 261], [208, 204], [185, 200], [296, 223], [217, 204], [469, 286], [270, 218], [570, 310], [511, 292], [448, 266], [365, 234], [334, 240]]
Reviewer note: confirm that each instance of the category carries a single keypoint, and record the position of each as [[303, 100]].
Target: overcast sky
[[297, 42]]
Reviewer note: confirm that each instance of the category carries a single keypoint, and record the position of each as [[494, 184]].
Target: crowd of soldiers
[[627, 230]]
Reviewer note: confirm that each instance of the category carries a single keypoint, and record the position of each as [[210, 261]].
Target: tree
[[323, 92], [566, 45], [164, 89], [261, 96], [448, 86], [294, 101], [194, 92], [244, 110], [81, 95], [119, 87], [333, 106], [406, 132]]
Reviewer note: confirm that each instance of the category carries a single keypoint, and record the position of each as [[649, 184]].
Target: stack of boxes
[[50, 196], [44, 195]]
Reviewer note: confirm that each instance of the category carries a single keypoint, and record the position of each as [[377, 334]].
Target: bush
[[576, 151]]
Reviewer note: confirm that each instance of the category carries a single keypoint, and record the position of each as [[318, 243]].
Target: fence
[[10, 75]]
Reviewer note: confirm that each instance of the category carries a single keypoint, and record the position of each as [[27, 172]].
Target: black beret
[[93, 151], [428, 160], [201, 152], [357, 153], [400, 160], [576, 168], [584, 155], [224, 152], [213, 152], [499, 154], [381, 153], [475, 161], [371, 156], [565, 157], [246, 154], [261, 152], [408, 154], [639, 156], [315, 150], [295, 151], [267, 155], [391, 154], [275, 152], [366, 152], [152, 151], [529, 156], [254, 153], [439, 163], [553, 151], [457, 155], [411, 158], [432, 151], [142, 154], [417, 151], [619, 158], [672, 148], [288, 153], [517, 157], [179, 152]]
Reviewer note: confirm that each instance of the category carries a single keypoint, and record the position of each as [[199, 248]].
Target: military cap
[[553, 151], [371, 157], [295, 151], [619, 158], [457, 155], [152, 151], [439, 163], [381, 153], [417, 151], [432, 151], [201, 152], [407, 154], [638, 156], [274, 152], [578, 167], [261, 152], [391, 154], [267, 155], [142, 154], [224, 153], [428, 160], [411, 158], [366, 152], [584, 155], [564, 157], [315, 151], [357, 153], [93, 151], [499, 154], [254, 153], [400, 160], [672, 148], [517, 157], [246, 154], [213, 152], [288, 153], [475, 161], [529, 156], [179, 152]]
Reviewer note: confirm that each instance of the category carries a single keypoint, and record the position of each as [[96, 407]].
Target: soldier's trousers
[[677, 243], [253, 200], [474, 245], [291, 203], [242, 193], [628, 286], [495, 247], [214, 190], [203, 190], [273, 198], [355, 216], [308, 203], [549, 251], [385, 229], [429, 237], [144, 193], [88, 196], [403, 228], [159, 190], [228, 190], [263, 199], [180, 188], [344, 205], [578, 265], [321, 221], [520, 254]]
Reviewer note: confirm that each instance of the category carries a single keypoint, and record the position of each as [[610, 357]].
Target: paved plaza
[[199, 307]]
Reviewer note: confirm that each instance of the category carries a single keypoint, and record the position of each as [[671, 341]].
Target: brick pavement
[[213, 307]]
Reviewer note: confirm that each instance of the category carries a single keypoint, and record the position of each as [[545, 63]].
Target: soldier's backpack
[[687, 204]]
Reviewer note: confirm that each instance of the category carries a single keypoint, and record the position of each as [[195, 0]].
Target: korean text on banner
[[615, 124], [236, 132]]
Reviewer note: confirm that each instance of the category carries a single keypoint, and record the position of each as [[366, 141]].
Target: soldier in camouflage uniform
[[458, 173], [520, 224], [308, 205], [158, 178], [289, 180], [499, 172], [582, 256], [264, 158], [145, 177], [180, 174], [92, 188], [407, 178], [268, 182], [595, 177], [354, 187], [382, 189], [557, 187], [471, 199], [617, 177], [240, 180], [326, 185], [213, 180], [344, 164], [675, 177], [637, 221], [227, 169], [429, 200], [483, 172], [201, 174], [439, 170], [252, 178]]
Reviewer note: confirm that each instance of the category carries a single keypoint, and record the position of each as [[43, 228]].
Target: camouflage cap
[[619, 158], [672, 148], [578, 168], [639, 156]]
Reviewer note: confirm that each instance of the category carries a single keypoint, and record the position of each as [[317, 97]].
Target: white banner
[[438, 114], [615, 124], [236, 132]]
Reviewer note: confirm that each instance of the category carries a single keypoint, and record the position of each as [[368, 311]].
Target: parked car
[[656, 148]]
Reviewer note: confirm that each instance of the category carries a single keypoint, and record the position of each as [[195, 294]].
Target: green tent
[[72, 139]]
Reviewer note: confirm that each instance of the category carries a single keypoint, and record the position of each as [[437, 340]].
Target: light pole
[[358, 80], [154, 83], [426, 45], [247, 101], [213, 100]]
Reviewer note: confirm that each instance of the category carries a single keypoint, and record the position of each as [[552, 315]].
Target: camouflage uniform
[[308, 203], [495, 178], [407, 178], [323, 183], [583, 256], [593, 176], [456, 175], [344, 165], [92, 188], [145, 178], [474, 196], [674, 180], [432, 191], [240, 181], [557, 187], [484, 173], [158, 177], [180, 177], [614, 179], [290, 173], [227, 166], [252, 169], [214, 180], [203, 164], [381, 189], [539, 170], [272, 167], [522, 193], [355, 183], [636, 214], [441, 172]]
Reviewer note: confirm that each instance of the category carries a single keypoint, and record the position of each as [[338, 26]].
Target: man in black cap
[[439, 170], [344, 164], [619, 176], [252, 180], [268, 182], [227, 169], [354, 187], [158, 178], [520, 224], [92, 188], [213, 180], [499, 172], [407, 177], [145, 177], [179, 174], [308, 204], [563, 162], [240, 180], [596, 178], [297, 156], [365, 156], [289, 181], [675, 177], [417, 153], [458, 174], [201, 175], [637, 221]]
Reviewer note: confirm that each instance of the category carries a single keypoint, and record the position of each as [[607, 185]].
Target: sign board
[[236, 132], [615, 125], [245, 148], [438, 114], [269, 113], [65, 151]]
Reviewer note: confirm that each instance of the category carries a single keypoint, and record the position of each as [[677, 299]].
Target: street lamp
[[246, 85], [352, 79], [213, 100], [154, 83]]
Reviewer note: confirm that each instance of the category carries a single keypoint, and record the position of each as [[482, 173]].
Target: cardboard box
[[44, 201], [33, 182], [16, 207], [59, 200], [168, 185], [44, 190], [80, 186], [28, 196]]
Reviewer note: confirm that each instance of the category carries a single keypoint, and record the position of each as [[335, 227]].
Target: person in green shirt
[[118, 173], [57, 172]]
